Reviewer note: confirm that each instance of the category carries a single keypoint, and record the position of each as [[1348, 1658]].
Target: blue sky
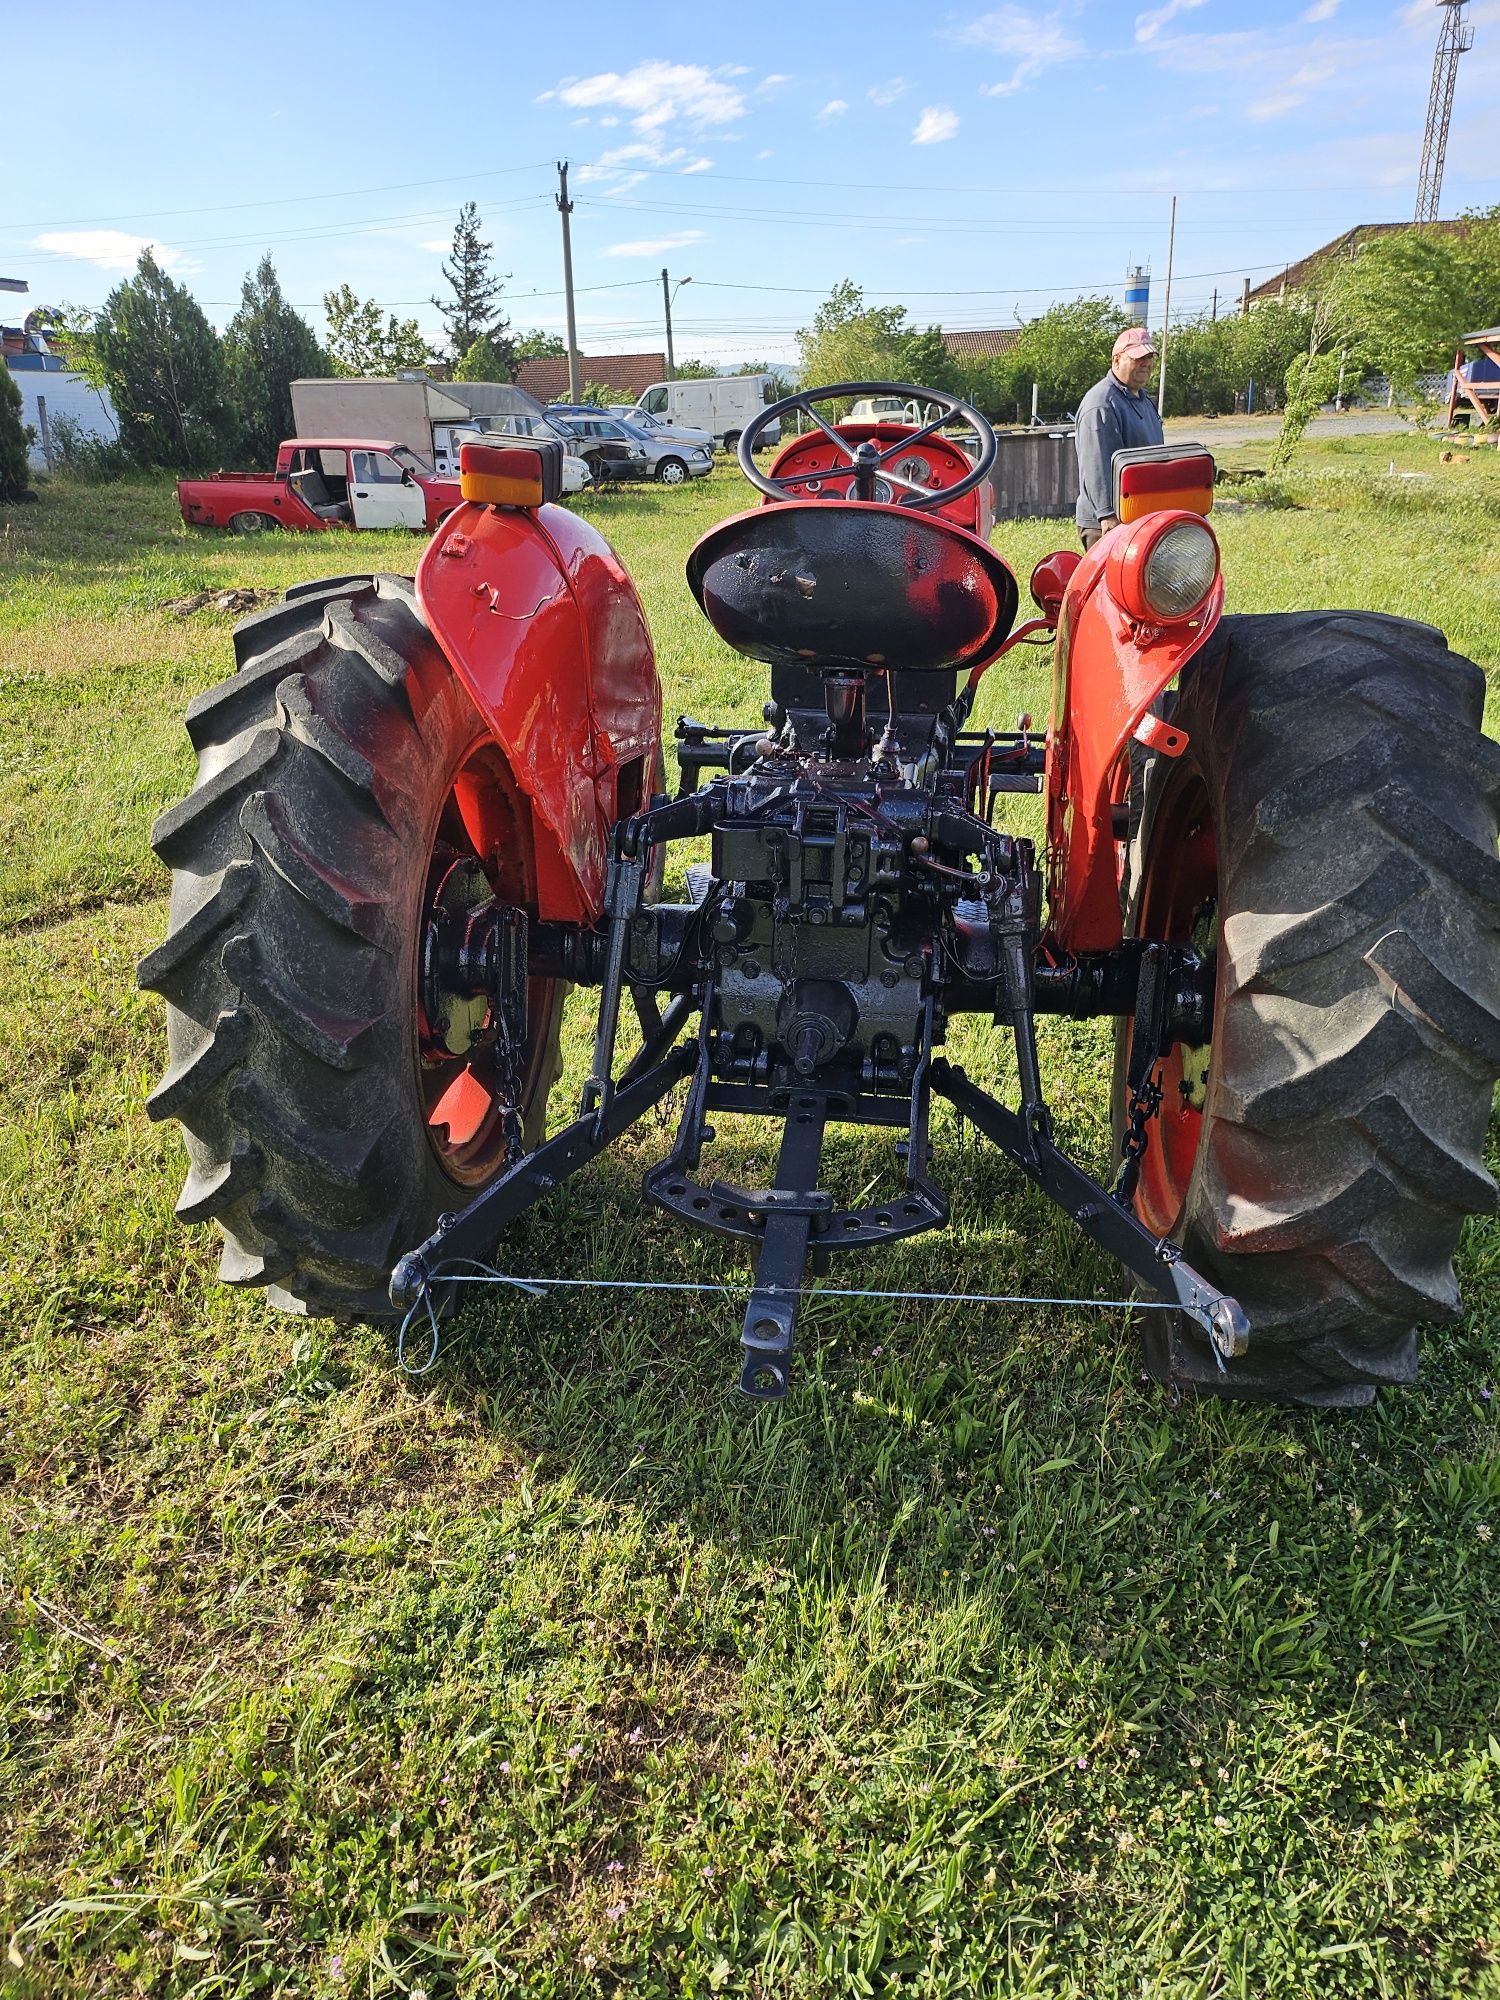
[[973, 162]]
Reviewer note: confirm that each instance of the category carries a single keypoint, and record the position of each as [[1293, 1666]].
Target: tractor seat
[[852, 583]]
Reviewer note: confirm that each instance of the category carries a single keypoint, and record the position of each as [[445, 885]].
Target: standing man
[[1115, 413]]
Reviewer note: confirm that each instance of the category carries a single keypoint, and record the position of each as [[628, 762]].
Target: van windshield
[[655, 400]]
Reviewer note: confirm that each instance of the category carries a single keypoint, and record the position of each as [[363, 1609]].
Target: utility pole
[[1214, 310], [1244, 298], [1454, 40], [565, 209], [1166, 313], [668, 293]]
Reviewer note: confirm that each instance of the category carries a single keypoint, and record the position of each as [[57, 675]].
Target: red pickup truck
[[323, 483]]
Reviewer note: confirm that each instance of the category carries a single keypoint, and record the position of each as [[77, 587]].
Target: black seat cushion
[[852, 583]]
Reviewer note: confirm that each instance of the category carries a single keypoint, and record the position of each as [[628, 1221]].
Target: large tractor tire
[[1331, 832], [345, 785]]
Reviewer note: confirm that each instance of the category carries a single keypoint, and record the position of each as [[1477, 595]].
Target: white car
[[657, 428]]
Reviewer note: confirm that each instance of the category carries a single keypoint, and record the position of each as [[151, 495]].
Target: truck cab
[[358, 485]]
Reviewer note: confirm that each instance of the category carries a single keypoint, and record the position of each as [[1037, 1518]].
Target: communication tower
[[1455, 37]]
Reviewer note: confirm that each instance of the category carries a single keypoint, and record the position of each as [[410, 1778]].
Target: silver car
[[669, 433], [651, 457]]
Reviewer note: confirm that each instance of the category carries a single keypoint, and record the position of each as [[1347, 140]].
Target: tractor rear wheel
[[348, 797], [1331, 833]]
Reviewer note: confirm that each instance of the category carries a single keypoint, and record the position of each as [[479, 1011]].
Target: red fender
[[1109, 670], [542, 625]]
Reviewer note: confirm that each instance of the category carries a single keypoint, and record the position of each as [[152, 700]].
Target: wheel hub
[[472, 967]]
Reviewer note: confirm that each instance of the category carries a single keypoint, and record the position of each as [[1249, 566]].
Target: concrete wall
[[65, 396]]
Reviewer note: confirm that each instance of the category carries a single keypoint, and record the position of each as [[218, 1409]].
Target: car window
[[334, 464], [375, 468]]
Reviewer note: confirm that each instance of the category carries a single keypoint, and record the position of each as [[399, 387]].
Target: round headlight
[[1180, 569]]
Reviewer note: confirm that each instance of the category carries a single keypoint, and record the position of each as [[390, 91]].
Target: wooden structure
[[1475, 383]]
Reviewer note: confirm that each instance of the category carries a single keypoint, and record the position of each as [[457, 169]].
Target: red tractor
[[423, 811]]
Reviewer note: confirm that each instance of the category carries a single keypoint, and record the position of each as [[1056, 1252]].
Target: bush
[[83, 455], [15, 440]]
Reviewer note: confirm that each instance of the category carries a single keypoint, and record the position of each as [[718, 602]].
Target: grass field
[[974, 1669]]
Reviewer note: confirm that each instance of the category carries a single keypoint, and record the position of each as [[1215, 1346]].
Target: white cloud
[[699, 166], [655, 94], [772, 82], [110, 249], [887, 93], [834, 108], [1149, 25], [936, 123], [625, 167], [1274, 107], [1321, 10], [1036, 40], [435, 243], [653, 246], [765, 153]]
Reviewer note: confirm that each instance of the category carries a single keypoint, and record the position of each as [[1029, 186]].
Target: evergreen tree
[[14, 438], [267, 347], [359, 343], [164, 366], [474, 309]]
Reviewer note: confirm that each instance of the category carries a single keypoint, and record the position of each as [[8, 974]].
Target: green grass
[[974, 1669]]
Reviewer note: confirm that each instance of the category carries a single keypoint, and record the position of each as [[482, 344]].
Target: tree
[[693, 371], [15, 439], [267, 347], [1310, 381], [851, 342], [474, 309], [164, 367], [779, 385], [359, 343], [1397, 306], [487, 360], [1065, 350], [73, 332], [923, 359], [539, 346]]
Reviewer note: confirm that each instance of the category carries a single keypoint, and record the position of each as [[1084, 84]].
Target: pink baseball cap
[[1134, 342]]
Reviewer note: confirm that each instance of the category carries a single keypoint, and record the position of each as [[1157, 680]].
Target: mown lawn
[[975, 1668]]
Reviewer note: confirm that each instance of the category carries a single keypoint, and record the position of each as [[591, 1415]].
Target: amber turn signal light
[[511, 475]]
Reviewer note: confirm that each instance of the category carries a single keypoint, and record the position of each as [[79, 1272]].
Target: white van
[[721, 404]]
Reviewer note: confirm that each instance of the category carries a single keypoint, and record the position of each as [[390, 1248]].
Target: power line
[[276, 201]]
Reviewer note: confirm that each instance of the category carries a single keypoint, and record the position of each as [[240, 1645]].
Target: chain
[[470, 1272], [1145, 1102]]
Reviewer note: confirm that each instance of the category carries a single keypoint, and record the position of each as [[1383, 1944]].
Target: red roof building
[[1297, 274], [546, 377], [981, 343]]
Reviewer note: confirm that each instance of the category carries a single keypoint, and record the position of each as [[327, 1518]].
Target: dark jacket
[[1110, 417]]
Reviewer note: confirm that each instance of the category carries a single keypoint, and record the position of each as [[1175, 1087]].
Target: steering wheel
[[866, 460]]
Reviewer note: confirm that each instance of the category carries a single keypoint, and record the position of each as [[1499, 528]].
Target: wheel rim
[[1178, 904], [672, 474], [474, 1100]]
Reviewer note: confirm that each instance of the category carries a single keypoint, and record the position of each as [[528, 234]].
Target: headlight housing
[[1163, 570]]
